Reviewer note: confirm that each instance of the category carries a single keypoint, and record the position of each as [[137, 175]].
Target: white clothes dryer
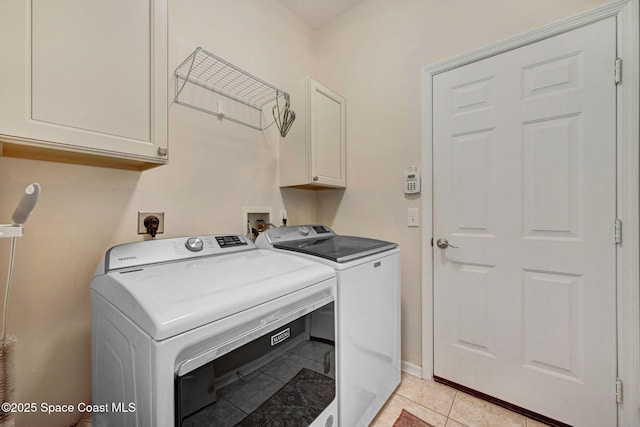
[[210, 330], [368, 272]]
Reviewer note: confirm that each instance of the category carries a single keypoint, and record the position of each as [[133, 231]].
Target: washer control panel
[[194, 244], [138, 254], [293, 232], [304, 230], [230, 241]]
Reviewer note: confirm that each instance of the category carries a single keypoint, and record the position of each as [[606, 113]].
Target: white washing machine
[[368, 312], [210, 331]]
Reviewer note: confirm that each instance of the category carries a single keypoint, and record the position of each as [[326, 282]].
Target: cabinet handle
[[315, 178], [162, 151]]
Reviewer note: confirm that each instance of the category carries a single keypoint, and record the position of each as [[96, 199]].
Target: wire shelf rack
[[210, 84]]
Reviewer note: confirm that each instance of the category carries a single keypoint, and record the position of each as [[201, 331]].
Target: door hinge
[[618, 390], [617, 231], [618, 71]]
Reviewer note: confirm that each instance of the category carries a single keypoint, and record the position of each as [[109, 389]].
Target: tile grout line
[[447, 417], [420, 404], [455, 396], [453, 402]]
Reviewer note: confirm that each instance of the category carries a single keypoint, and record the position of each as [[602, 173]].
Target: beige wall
[[372, 55]]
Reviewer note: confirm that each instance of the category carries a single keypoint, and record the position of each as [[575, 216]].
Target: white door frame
[[628, 189]]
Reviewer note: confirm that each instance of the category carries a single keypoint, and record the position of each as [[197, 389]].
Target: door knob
[[444, 243]]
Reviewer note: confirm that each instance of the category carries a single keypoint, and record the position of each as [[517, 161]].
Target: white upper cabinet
[[318, 161], [84, 81]]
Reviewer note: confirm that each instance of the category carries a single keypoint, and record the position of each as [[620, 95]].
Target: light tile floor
[[443, 406]]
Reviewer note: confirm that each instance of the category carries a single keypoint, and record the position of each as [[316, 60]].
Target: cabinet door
[[87, 76], [327, 136]]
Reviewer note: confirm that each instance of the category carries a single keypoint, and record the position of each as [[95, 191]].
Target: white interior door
[[524, 175]]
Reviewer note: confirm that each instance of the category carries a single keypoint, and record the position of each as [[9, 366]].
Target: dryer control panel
[[294, 232], [136, 254]]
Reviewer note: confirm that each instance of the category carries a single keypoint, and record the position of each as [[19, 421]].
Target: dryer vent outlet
[[147, 218]]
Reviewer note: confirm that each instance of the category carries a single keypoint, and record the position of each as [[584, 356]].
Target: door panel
[[327, 136], [524, 168]]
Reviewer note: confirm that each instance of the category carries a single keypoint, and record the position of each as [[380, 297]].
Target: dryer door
[[260, 373]]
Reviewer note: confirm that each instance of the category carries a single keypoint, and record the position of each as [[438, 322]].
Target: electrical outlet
[[413, 219], [143, 214]]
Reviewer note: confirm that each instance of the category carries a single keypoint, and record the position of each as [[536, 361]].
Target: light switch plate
[[413, 219]]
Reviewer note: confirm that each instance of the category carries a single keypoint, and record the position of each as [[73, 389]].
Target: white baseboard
[[411, 369]]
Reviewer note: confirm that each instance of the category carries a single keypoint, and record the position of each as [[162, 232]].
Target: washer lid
[[337, 248], [170, 298]]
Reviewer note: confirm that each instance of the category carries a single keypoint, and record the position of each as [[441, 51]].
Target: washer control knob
[[194, 244], [303, 230]]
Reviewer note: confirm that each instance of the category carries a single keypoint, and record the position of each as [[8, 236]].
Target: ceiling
[[316, 13]]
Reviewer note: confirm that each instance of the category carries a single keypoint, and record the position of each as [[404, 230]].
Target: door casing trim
[[628, 188]]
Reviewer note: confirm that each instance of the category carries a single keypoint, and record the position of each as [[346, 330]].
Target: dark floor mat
[[296, 404]]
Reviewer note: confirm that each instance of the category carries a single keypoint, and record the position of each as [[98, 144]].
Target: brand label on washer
[[280, 336]]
